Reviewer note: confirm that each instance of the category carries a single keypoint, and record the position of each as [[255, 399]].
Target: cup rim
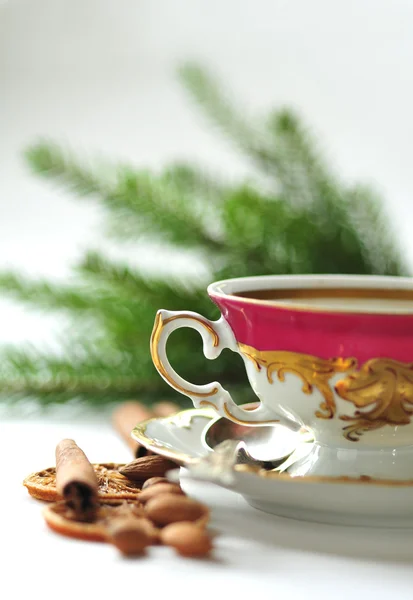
[[396, 287]]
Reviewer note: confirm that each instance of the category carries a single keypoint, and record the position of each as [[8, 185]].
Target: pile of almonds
[[169, 517], [159, 513], [132, 506]]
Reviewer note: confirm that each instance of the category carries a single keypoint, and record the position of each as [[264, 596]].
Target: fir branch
[[105, 274], [136, 201], [196, 183], [80, 300], [207, 94], [376, 232], [45, 295], [306, 221], [253, 140], [49, 160], [304, 176], [88, 373], [162, 210], [52, 380]]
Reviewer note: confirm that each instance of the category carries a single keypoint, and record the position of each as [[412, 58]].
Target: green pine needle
[[296, 216]]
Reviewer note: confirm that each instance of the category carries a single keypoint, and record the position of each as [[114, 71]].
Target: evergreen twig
[[295, 217]]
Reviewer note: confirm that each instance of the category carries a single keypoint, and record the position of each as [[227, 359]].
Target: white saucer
[[338, 500]]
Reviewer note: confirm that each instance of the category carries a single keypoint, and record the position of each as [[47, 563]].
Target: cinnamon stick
[[125, 418], [76, 480]]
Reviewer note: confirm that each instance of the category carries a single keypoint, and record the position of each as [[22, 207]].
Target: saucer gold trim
[[184, 419], [363, 479], [181, 420]]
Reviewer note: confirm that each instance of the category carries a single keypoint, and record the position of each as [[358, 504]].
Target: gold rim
[[326, 293], [283, 305], [309, 307]]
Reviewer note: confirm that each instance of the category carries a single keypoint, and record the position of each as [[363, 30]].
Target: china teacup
[[330, 353]]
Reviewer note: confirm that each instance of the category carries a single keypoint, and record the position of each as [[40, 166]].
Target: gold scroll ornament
[[383, 384], [386, 387]]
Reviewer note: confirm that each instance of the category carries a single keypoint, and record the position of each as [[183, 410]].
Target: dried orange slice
[[60, 518], [112, 485]]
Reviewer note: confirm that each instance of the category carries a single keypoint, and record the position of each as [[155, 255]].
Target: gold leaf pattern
[[313, 372], [359, 426], [385, 387]]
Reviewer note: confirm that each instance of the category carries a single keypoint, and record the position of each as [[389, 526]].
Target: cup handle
[[216, 335]]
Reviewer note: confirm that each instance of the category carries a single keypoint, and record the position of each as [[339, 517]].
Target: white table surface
[[254, 552]]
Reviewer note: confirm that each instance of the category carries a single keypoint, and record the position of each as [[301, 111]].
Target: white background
[[100, 76]]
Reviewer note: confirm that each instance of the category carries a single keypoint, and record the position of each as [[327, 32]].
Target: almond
[[170, 508], [131, 536], [154, 481], [187, 539], [146, 467], [160, 488]]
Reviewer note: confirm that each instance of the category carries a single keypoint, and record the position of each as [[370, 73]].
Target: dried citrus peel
[[112, 485], [59, 517]]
